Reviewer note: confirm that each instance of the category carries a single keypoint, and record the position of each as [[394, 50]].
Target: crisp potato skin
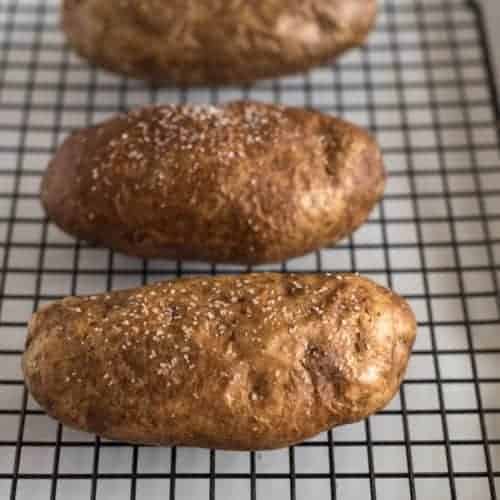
[[246, 183], [243, 362], [216, 41]]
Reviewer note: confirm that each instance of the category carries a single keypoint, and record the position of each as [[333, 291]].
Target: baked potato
[[245, 362], [214, 41], [245, 182]]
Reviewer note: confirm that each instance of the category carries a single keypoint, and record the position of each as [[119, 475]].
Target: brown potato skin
[[245, 362], [217, 41], [245, 183]]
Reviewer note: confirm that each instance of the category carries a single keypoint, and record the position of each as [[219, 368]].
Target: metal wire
[[424, 86]]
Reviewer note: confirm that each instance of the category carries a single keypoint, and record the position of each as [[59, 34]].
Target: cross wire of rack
[[424, 86]]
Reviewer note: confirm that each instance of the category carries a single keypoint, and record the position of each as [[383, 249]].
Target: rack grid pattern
[[424, 86]]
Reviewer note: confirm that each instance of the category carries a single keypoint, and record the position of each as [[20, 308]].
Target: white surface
[[452, 170]]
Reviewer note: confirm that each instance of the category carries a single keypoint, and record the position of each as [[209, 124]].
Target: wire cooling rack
[[424, 86]]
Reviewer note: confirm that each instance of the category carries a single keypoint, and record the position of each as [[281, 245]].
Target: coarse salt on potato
[[243, 362], [246, 182]]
